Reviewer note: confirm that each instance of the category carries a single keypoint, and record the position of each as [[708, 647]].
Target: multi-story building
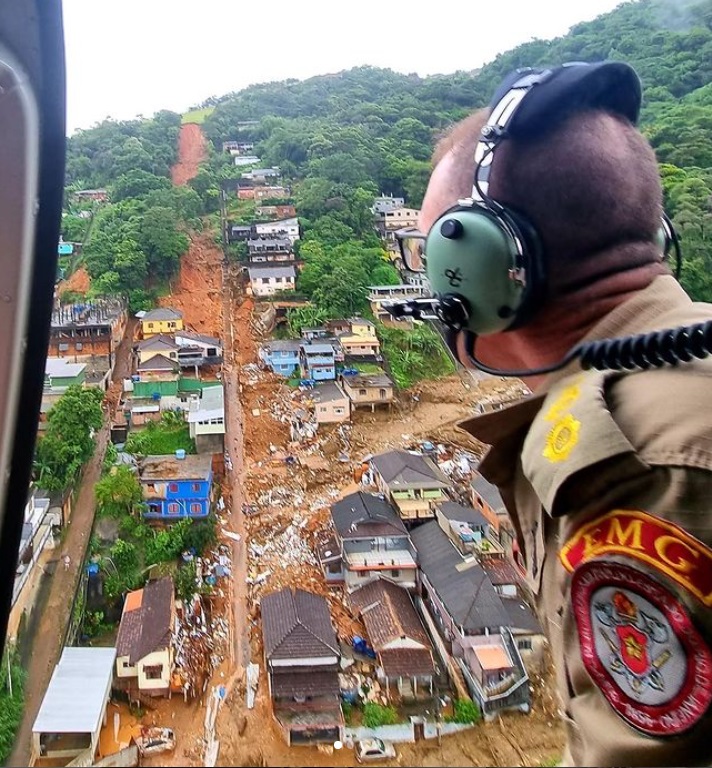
[[84, 331], [282, 356], [317, 361], [175, 487], [161, 320], [283, 228], [370, 542], [378, 294], [266, 281]]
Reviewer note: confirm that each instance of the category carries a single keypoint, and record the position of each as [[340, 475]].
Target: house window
[[64, 347], [196, 508], [173, 508], [322, 409], [196, 486], [173, 487], [153, 671], [79, 346], [524, 644], [362, 574], [395, 573], [362, 392], [125, 665], [382, 394], [151, 488], [150, 325]]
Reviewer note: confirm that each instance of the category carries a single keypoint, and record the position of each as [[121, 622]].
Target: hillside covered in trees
[[343, 138]]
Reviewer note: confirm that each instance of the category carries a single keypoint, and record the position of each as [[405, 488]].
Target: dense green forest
[[341, 139]]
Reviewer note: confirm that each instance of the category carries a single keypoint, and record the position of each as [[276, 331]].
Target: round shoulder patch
[[641, 648]]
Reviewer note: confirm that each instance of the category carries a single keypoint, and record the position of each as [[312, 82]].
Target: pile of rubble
[[194, 648]]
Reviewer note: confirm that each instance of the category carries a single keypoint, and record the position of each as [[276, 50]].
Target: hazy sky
[[135, 57]]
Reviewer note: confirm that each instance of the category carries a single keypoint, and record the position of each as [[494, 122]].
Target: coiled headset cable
[[655, 349]]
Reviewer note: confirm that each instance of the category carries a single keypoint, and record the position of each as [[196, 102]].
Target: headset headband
[[521, 109], [495, 129]]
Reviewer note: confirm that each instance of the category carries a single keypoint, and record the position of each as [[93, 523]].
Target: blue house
[[281, 356], [317, 361], [175, 488]]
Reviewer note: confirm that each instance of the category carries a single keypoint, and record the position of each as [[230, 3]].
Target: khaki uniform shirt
[[608, 479]]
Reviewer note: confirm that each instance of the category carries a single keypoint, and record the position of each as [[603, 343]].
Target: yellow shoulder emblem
[[561, 439]]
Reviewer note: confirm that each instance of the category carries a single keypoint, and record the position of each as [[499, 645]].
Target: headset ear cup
[[533, 264]]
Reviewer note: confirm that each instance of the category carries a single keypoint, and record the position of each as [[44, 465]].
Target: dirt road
[[235, 448]]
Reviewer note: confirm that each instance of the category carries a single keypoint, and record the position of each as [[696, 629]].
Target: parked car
[[374, 749]]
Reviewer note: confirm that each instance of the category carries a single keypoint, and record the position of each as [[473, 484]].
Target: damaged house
[[396, 634], [301, 656], [144, 650], [413, 483], [370, 542], [469, 622]]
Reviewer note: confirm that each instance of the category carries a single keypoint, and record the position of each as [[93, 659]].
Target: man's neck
[[562, 324]]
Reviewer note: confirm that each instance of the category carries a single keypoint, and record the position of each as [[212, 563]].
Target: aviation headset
[[485, 261]]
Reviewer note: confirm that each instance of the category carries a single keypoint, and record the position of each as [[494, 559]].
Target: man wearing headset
[[551, 202]]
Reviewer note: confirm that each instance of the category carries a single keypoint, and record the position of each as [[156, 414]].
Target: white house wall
[[155, 659]]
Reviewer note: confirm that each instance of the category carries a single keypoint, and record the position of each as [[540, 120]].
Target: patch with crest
[[641, 649]]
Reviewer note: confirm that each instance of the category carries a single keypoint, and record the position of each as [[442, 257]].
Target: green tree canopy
[[69, 438]]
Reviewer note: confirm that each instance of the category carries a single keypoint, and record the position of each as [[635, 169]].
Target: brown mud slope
[[191, 152], [78, 282], [197, 292]]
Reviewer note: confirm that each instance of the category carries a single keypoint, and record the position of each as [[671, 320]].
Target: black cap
[[610, 85]]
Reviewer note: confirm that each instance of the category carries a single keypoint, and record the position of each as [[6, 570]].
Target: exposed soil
[[191, 152], [197, 292], [78, 282]]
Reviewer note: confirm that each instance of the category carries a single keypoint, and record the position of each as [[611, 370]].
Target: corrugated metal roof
[[202, 338], [401, 469], [79, 688], [361, 514], [327, 392], [163, 313], [453, 511], [466, 592], [61, 368], [488, 492], [259, 272]]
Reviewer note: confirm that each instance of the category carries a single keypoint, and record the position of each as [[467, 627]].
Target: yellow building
[[363, 328], [161, 320]]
